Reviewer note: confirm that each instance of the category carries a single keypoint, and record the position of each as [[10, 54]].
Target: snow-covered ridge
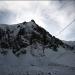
[[26, 34]]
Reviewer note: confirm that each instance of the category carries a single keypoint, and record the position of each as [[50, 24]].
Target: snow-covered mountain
[[26, 34], [71, 43], [28, 49]]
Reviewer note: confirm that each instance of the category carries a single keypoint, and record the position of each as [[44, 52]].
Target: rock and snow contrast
[[28, 49]]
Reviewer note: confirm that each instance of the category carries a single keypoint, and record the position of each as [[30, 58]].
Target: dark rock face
[[26, 36]]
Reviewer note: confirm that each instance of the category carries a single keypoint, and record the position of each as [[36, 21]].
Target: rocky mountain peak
[[28, 34]]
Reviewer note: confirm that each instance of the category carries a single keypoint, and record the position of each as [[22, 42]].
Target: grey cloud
[[51, 25], [69, 8], [71, 34], [6, 16]]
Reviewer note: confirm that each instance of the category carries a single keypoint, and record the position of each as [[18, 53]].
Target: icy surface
[[52, 63]]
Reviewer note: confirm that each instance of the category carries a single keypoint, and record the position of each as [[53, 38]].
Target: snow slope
[[54, 63]]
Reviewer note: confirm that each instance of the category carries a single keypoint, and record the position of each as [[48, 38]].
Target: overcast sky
[[52, 15]]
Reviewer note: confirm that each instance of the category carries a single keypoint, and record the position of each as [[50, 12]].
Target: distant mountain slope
[[71, 43]]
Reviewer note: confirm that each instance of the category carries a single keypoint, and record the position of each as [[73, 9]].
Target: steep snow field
[[50, 63]]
